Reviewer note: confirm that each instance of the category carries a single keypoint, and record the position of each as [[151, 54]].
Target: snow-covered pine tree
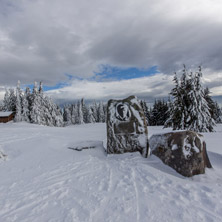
[[159, 113], [12, 100], [44, 108], [85, 111], [189, 109], [217, 113], [94, 108], [67, 115], [35, 112], [199, 110], [58, 118], [19, 108], [214, 108], [6, 101], [176, 115], [91, 118], [74, 114], [105, 111], [80, 113], [101, 114], [26, 106]]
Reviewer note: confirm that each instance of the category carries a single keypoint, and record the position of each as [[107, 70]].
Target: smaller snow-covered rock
[[184, 151], [126, 127]]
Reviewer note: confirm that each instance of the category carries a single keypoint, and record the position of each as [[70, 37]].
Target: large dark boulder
[[184, 151], [126, 127]]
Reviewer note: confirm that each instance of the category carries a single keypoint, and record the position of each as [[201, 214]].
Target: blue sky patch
[[116, 73], [108, 73]]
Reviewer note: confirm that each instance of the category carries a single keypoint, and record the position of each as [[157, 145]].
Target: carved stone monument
[[126, 127], [184, 151]]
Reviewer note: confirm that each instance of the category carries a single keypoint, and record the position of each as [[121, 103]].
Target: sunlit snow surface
[[43, 181]]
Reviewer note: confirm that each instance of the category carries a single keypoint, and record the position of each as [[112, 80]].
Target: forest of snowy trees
[[192, 108], [36, 107], [189, 106], [79, 113], [33, 107]]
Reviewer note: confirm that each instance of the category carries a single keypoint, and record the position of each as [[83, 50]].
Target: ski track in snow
[[43, 181]]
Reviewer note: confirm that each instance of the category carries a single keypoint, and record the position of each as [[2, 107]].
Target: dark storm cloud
[[190, 42], [45, 39]]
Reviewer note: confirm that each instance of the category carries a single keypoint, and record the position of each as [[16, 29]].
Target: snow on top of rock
[[174, 147]]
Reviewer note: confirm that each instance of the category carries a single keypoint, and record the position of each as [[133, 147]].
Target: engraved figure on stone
[[122, 112]]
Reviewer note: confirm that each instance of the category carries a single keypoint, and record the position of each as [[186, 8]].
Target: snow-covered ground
[[42, 180]]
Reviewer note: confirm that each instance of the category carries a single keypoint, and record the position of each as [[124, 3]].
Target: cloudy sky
[[100, 49]]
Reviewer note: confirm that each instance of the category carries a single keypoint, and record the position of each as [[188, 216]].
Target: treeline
[[35, 107], [189, 107], [32, 106], [157, 114], [79, 113]]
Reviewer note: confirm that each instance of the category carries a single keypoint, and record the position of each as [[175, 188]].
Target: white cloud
[[150, 87]]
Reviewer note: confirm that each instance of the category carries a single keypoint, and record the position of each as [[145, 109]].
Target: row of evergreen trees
[[36, 107], [157, 114], [190, 106], [33, 107], [79, 113]]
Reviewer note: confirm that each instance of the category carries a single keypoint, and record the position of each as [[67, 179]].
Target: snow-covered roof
[[5, 114]]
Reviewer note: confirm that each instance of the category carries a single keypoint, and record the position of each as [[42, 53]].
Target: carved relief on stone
[[126, 127]]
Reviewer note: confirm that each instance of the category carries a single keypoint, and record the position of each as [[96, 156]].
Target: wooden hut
[[6, 116]]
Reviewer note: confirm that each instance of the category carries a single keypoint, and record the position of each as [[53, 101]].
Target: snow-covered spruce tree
[[26, 106], [217, 114], [58, 118], [35, 109], [19, 108], [189, 109], [50, 113], [90, 117], [94, 108], [46, 111], [74, 114], [9, 102], [6, 101], [215, 110], [201, 119], [176, 109], [80, 113], [67, 115], [159, 113], [85, 111], [100, 113]]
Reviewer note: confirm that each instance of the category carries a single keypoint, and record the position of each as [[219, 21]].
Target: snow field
[[42, 180]]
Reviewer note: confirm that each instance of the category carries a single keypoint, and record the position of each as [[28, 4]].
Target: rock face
[[184, 151], [126, 127]]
